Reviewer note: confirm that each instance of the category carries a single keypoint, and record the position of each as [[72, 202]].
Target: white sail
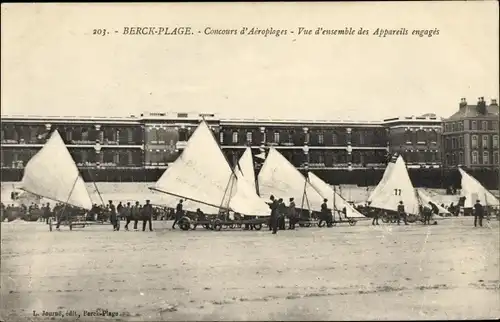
[[398, 187], [246, 168], [425, 198], [278, 177], [472, 190], [201, 173], [383, 181], [53, 174], [337, 202]]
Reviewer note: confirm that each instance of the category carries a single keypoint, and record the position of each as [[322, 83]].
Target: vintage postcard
[[250, 161]]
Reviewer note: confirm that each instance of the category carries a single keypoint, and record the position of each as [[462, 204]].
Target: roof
[[471, 111]]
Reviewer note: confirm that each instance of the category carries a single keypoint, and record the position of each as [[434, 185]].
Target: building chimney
[[463, 103], [481, 106], [493, 102]]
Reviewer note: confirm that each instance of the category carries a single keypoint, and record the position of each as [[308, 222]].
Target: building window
[[485, 141], [221, 137], [495, 158], [249, 137], [461, 142], [461, 158], [334, 138], [474, 125], [474, 141], [495, 141], [235, 137], [485, 125], [461, 126], [486, 157], [447, 159], [320, 138], [321, 159], [474, 157], [495, 125], [276, 137]]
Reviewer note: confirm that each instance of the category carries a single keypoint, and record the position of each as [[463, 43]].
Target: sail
[[426, 198], [278, 177], [397, 187], [53, 174], [337, 202], [246, 168], [201, 173], [385, 177], [472, 190]]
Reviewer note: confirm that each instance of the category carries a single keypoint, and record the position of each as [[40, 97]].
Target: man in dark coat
[[326, 214], [402, 213], [273, 220], [292, 214], [147, 214], [47, 213], [178, 213], [113, 216], [281, 214], [478, 214]]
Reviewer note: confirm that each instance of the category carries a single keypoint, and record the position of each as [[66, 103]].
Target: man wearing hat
[[147, 213]]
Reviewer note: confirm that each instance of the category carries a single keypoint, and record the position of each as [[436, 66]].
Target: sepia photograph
[[250, 161]]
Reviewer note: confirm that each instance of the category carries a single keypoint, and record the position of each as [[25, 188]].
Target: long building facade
[[139, 148]]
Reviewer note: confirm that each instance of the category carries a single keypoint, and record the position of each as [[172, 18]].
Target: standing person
[[478, 214], [281, 214], [427, 211], [127, 212], [147, 213], [113, 216], [46, 213], [292, 214], [326, 214], [136, 213], [273, 220], [375, 217], [119, 210], [402, 213], [178, 213]]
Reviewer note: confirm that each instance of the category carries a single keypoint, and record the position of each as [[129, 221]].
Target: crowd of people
[[279, 212]]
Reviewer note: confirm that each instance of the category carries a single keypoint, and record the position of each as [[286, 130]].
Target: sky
[[52, 64]]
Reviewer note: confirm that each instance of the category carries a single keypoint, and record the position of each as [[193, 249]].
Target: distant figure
[[427, 213], [113, 216], [147, 214], [47, 213], [402, 213], [292, 214], [178, 213], [478, 214], [200, 215], [119, 209], [273, 220], [136, 213], [127, 212], [375, 217], [281, 214], [326, 214]]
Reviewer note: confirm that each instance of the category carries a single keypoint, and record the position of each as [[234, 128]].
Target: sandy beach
[[446, 271]]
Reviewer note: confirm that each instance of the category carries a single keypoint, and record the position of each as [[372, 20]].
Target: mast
[[69, 196]]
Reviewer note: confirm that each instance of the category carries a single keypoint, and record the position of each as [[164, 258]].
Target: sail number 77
[[397, 192]]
